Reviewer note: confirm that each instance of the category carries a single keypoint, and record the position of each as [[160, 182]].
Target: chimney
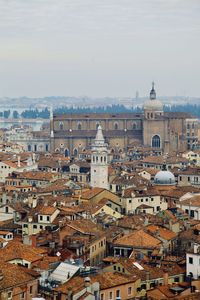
[[196, 248], [1, 275], [87, 281], [30, 219], [18, 162], [33, 158], [69, 293], [34, 199], [147, 275], [166, 277], [34, 240]]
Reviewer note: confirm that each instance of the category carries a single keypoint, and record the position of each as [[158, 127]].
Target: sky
[[99, 48]]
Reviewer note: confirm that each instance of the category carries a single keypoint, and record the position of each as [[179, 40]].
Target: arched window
[[75, 152], [79, 126], [66, 152], [116, 126], [134, 126], [61, 125], [29, 148], [156, 141]]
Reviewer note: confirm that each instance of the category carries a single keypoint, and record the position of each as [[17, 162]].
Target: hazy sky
[[99, 48]]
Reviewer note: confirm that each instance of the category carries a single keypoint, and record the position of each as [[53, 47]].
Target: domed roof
[[164, 177], [153, 103]]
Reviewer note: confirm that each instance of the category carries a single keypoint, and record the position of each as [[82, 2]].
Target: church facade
[[165, 132]]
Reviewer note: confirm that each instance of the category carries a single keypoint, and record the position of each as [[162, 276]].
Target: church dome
[[164, 177], [153, 104]]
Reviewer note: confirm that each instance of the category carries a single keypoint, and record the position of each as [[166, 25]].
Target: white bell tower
[[99, 161]]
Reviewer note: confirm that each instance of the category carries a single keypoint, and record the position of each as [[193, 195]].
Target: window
[[102, 296], [31, 290], [188, 178], [129, 290], [29, 148], [118, 293], [48, 218], [22, 295], [9, 294], [119, 269], [156, 141], [61, 126], [116, 126], [25, 225], [35, 147], [41, 218], [192, 213], [6, 210], [115, 268], [180, 178], [134, 126], [110, 295], [176, 279], [191, 260], [66, 152], [35, 226], [75, 152], [79, 126], [130, 201], [47, 147]]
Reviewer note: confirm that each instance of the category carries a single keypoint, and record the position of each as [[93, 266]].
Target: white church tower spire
[[99, 163]]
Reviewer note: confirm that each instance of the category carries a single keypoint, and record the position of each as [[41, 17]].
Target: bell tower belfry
[[99, 161]]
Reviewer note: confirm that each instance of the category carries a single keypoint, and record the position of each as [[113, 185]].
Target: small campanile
[[99, 161]]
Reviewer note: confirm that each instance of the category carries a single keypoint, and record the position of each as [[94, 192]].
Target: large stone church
[[165, 132]]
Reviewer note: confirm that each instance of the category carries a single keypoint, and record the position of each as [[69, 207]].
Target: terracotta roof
[[91, 193], [37, 175], [109, 280], [162, 232], [47, 210], [193, 201], [14, 275], [15, 250], [85, 226], [138, 239]]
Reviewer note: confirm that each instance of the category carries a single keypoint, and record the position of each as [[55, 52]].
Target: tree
[[15, 114], [6, 114]]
